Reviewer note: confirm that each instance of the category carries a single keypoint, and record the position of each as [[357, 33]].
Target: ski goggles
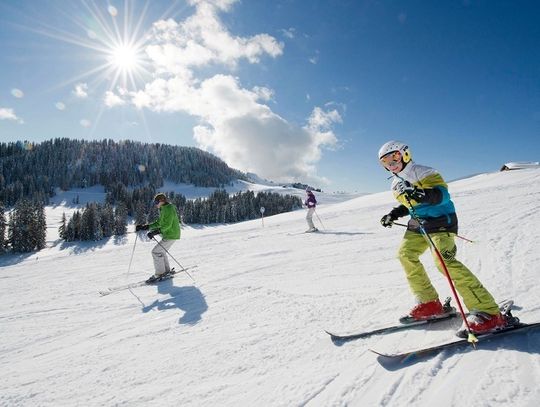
[[391, 159]]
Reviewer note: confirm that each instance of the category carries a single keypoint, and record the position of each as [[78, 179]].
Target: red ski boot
[[427, 310], [482, 323]]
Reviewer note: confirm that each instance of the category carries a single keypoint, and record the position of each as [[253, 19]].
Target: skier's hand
[[153, 233], [387, 220], [141, 227], [405, 187]]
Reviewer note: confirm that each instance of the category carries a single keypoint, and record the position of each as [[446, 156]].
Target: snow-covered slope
[[249, 332]]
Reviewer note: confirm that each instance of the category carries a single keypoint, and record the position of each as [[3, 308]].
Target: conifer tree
[[40, 226], [3, 242], [107, 220], [62, 232], [120, 220], [27, 228]]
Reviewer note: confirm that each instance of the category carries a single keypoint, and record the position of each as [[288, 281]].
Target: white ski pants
[[161, 261], [309, 218]]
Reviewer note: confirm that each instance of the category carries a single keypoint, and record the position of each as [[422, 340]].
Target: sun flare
[[125, 58]]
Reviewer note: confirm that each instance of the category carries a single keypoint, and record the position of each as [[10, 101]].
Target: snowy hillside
[[250, 331]]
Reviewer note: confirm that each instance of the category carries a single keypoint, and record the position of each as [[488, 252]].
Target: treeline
[[219, 207], [131, 173], [33, 170], [26, 228], [95, 222], [222, 208]]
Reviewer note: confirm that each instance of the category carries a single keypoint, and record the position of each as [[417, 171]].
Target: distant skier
[[168, 226], [311, 203], [428, 195]]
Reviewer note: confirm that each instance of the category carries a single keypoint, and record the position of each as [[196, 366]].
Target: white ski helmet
[[394, 145]]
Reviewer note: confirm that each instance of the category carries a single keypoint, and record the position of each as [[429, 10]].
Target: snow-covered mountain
[[250, 330]]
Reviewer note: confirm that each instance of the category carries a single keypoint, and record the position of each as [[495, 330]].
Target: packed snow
[[250, 330]]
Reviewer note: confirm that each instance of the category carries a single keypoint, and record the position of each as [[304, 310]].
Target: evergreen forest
[[131, 173]]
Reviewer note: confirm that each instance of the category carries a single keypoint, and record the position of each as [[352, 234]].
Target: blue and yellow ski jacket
[[436, 211]]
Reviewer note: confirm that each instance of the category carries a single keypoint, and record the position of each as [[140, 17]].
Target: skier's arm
[[393, 215]]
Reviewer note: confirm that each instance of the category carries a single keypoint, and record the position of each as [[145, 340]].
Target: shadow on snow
[[188, 299], [527, 341]]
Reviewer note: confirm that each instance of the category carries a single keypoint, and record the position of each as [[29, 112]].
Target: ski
[[408, 322], [405, 322], [388, 329], [123, 287], [407, 356]]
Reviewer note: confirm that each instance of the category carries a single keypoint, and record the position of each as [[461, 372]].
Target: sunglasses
[[391, 159]]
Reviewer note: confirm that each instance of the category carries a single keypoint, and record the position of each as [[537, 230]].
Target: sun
[[125, 58], [115, 39]]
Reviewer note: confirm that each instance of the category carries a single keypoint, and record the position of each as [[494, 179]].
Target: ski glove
[[141, 227], [153, 233], [405, 187], [387, 220]]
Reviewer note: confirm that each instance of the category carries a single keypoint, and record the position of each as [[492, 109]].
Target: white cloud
[[17, 93], [7, 113], [263, 93], [289, 32], [60, 106], [81, 90], [85, 123], [235, 122], [111, 99], [202, 39]]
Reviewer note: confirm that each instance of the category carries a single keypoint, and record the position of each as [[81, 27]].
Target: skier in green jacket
[[168, 226]]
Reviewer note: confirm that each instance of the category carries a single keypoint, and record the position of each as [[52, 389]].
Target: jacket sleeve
[[433, 196], [399, 211]]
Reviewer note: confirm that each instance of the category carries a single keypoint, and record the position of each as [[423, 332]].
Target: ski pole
[[458, 236], [472, 339], [319, 219], [171, 256], [132, 253]]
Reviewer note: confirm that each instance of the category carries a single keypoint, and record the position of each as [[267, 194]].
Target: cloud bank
[[235, 123]]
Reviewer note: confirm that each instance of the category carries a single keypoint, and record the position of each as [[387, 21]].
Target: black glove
[[153, 233], [405, 187], [141, 227], [387, 220]]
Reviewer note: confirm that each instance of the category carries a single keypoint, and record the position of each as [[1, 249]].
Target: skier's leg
[[475, 296], [161, 262], [309, 218], [411, 248]]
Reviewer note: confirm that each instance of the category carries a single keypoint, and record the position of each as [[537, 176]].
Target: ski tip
[[379, 353]]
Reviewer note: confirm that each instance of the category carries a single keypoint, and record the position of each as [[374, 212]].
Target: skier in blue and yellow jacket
[[422, 189]]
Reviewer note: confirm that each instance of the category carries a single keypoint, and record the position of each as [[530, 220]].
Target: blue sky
[[291, 90]]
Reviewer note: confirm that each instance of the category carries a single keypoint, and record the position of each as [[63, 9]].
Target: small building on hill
[[520, 165]]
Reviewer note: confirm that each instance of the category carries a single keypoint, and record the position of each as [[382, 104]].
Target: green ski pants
[[475, 296]]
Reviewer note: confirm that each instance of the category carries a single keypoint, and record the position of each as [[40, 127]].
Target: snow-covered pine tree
[[3, 225], [120, 220], [40, 226], [107, 220], [90, 223], [140, 213], [62, 228], [27, 227]]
